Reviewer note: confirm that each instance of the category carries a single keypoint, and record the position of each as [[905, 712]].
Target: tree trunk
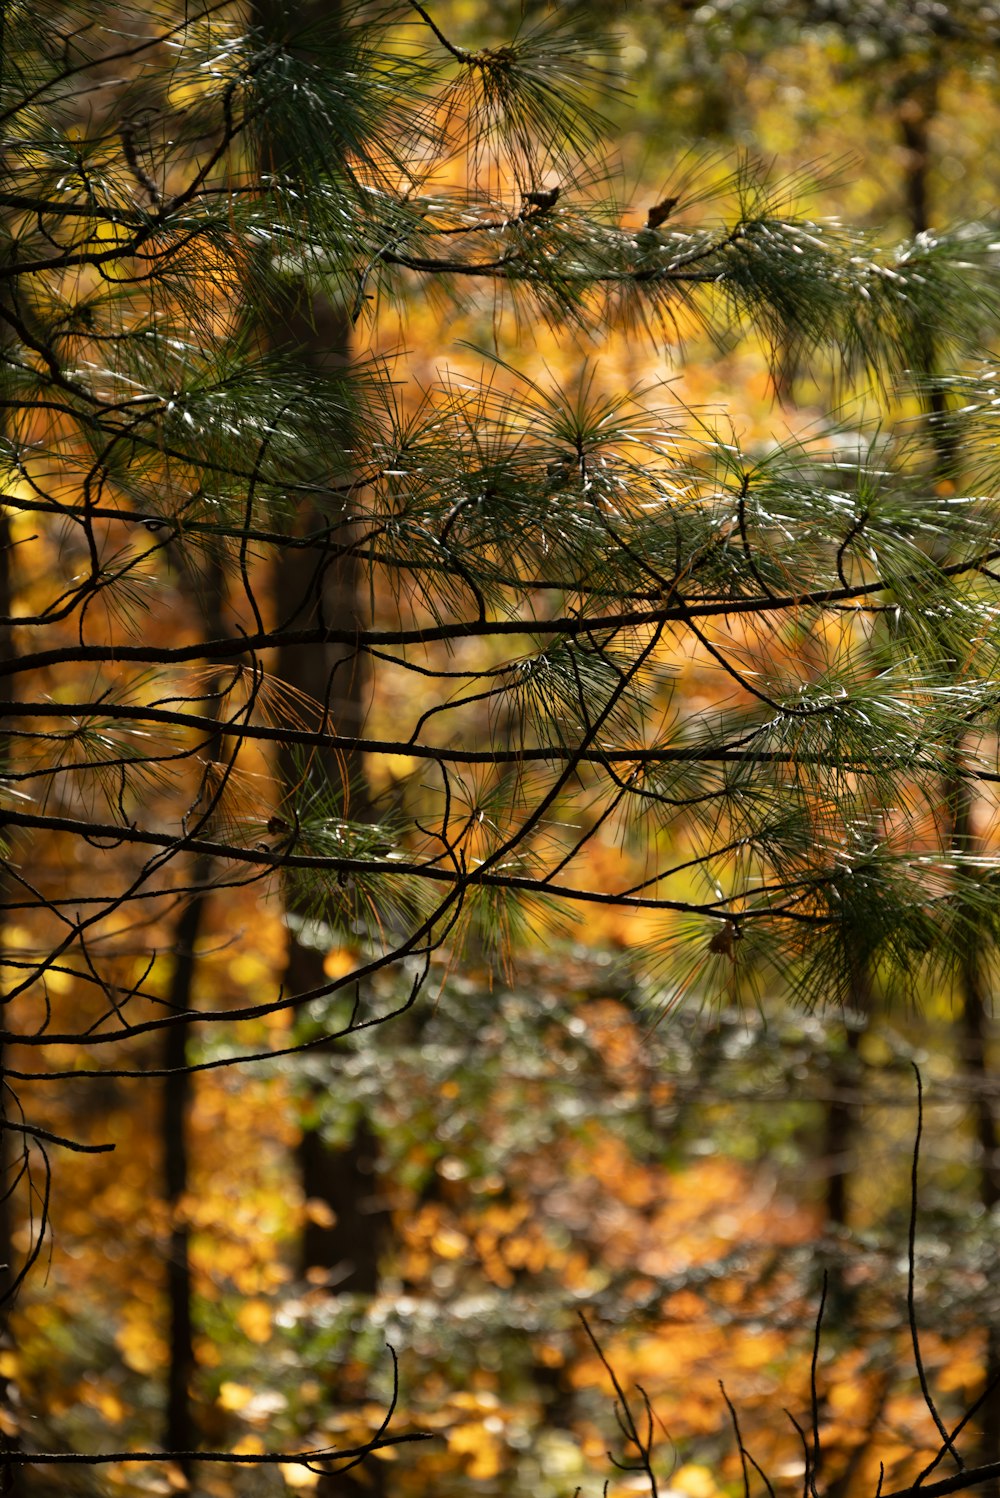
[[342, 1240], [180, 1433], [916, 111], [12, 1478], [9, 1439], [345, 1222], [843, 1113], [976, 1035], [181, 1428]]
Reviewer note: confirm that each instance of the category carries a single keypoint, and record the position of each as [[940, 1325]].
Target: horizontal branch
[[443, 754], [958, 1482], [280, 859], [565, 624], [244, 1458], [45, 1137], [500, 269]]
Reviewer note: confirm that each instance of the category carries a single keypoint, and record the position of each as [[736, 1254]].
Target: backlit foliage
[[631, 675]]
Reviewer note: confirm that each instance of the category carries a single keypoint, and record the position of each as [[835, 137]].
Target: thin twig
[[33, 1132], [958, 1428], [739, 1439], [814, 1387], [459, 53], [911, 1277], [626, 1420], [807, 1482], [265, 1459]]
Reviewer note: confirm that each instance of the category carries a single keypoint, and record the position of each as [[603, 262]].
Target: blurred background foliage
[[563, 1132]]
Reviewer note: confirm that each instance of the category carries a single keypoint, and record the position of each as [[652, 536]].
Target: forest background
[[649, 1120]]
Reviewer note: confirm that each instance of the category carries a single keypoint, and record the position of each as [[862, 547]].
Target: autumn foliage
[[498, 781]]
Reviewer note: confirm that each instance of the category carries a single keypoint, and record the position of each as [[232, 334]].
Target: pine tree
[[535, 559]]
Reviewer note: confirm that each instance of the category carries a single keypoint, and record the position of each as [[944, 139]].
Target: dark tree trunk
[[307, 588], [181, 1427], [8, 1152], [976, 1045], [341, 1243], [916, 111], [180, 1432], [841, 1147], [843, 1116], [11, 1479], [8, 1167]]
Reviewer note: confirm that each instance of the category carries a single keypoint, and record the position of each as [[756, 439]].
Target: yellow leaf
[[298, 1476], [248, 969], [108, 1404], [478, 1443], [475, 1399], [465, 1438], [340, 961], [487, 1461], [249, 1446], [695, 1481], [234, 1397], [141, 1349], [549, 1355], [254, 1320], [964, 1369], [320, 1212], [850, 1399], [448, 1243]]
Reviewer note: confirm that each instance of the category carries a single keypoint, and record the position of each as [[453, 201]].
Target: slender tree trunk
[[841, 1125], [11, 1477], [180, 1433], [345, 1224], [841, 1151], [180, 1426], [9, 1439], [976, 1038], [344, 1236], [916, 112]]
